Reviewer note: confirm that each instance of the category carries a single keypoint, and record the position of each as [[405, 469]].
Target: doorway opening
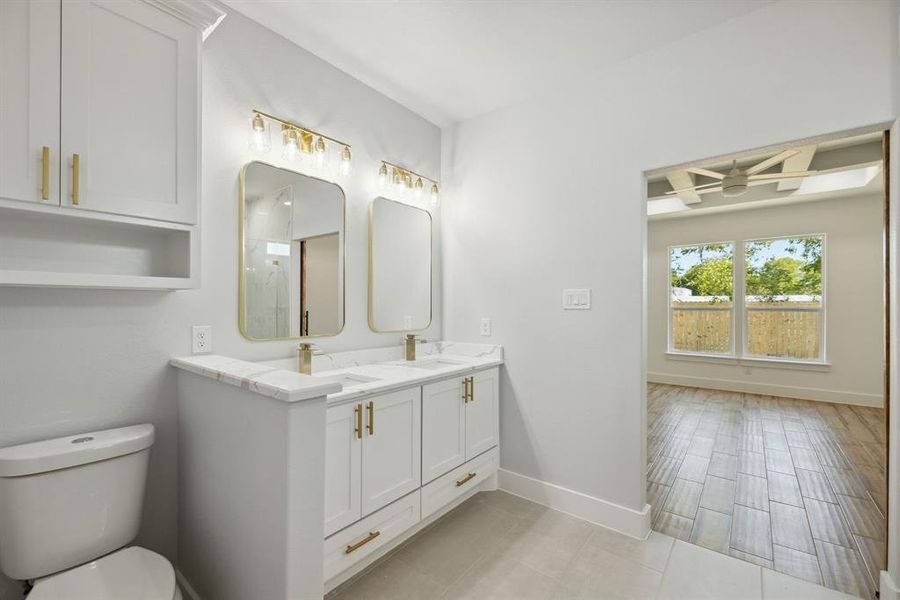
[[767, 397]]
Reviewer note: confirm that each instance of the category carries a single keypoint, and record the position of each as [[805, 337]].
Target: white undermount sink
[[345, 379], [436, 363]]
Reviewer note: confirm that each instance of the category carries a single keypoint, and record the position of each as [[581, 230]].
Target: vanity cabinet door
[[482, 413], [343, 460], [29, 100], [391, 458], [130, 110], [443, 427]]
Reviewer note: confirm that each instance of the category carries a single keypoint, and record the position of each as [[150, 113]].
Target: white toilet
[[68, 506]]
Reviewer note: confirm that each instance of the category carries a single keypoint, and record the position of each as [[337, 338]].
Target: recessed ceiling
[[450, 60]]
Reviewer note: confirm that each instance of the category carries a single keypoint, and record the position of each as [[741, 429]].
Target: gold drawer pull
[[465, 479], [76, 177], [354, 547], [358, 411], [45, 173]]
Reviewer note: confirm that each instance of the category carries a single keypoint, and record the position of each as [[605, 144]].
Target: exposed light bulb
[[382, 175], [320, 153], [419, 187], [260, 139], [434, 193], [398, 178], [345, 161], [290, 148]]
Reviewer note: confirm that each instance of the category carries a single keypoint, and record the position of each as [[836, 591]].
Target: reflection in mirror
[[292, 254], [399, 267]]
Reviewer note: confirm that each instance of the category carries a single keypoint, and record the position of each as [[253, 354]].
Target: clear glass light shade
[[260, 139], [290, 148], [382, 175], [320, 152], [419, 188], [434, 193], [345, 161]]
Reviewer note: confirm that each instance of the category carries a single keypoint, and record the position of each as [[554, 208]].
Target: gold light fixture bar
[[406, 173], [306, 134]]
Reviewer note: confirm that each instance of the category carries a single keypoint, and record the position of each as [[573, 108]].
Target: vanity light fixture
[[405, 180], [297, 142]]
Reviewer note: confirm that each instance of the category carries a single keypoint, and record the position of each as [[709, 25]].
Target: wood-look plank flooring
[[794, 485]]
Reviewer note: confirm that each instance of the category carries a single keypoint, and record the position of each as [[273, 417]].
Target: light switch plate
[[201, 339], [485, 326], [577, 299]]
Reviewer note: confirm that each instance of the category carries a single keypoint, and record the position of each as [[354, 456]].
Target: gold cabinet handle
[[76, 176], [465, 383], [471, 389], [45, 173], [354, 547], [358, 430], [370, 426], [465, 479]]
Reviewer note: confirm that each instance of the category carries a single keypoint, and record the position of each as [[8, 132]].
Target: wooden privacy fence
[[769, 331]]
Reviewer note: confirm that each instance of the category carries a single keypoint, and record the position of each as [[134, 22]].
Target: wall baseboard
[[600, 512], [888, 590], [768, 389], [187, 590]]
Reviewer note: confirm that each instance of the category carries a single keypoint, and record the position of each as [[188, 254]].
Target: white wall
[[73, 360], [854, 279], [548, 194]]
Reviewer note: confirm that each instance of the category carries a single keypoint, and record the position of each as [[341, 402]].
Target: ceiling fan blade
[[771, 162], [777, 176], [705, 172], [697, 188]]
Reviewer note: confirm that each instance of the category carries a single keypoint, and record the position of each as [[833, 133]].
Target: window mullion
[[739, 324]]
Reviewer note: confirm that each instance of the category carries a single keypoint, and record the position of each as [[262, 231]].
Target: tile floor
[[501, 547], [792, 485]]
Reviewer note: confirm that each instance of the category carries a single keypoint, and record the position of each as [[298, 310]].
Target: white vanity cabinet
[[372, 455], [460, 420]]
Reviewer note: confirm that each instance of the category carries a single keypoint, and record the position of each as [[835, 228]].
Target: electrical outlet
[[201, 339], [485, 326]]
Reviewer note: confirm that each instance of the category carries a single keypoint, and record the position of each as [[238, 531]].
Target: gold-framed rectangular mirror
[[291, 254], [400, 246]]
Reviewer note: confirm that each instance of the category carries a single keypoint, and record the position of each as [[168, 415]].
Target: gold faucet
[[304, 358], [411, 342]]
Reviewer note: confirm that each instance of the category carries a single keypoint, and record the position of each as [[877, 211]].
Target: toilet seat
[[134, 573]]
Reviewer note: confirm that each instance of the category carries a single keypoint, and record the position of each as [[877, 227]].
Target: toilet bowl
[[134, 573], [69, 507]]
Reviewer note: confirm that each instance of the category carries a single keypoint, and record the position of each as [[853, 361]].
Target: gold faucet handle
[[311, 348], [412, 337]]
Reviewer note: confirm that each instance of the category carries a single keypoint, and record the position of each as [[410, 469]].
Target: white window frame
[[740, 312], [745, 312], [733, 308]]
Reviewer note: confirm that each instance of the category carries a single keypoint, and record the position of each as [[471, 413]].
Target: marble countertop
[[344, 376], [257, 377]]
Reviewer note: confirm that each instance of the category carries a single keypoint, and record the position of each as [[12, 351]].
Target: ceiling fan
[[736, 181]]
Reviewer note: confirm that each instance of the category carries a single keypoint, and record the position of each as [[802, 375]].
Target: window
[[783, 297], [780, 312], [702, 298]]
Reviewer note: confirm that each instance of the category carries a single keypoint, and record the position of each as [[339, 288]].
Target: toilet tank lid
[[74, 450]]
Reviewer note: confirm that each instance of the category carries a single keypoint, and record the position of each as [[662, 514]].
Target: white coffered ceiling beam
[[680, 180], [797, 162]]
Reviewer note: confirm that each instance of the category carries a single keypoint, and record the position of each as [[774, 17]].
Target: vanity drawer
[[459, 481], [378, 528]]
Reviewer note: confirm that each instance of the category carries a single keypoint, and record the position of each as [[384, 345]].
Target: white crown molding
[[203, 15]]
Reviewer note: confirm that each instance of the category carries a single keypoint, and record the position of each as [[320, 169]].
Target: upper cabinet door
[[29, 100], [443, 427], [482, 413], [130, 110], [391, 457]]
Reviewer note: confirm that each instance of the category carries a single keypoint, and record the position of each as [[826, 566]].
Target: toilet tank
[[69, 500]]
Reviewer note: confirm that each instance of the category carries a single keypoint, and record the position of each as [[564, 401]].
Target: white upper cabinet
[[443, 427], [130, 110], [29, 100], [483, 413], [391, 460]]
